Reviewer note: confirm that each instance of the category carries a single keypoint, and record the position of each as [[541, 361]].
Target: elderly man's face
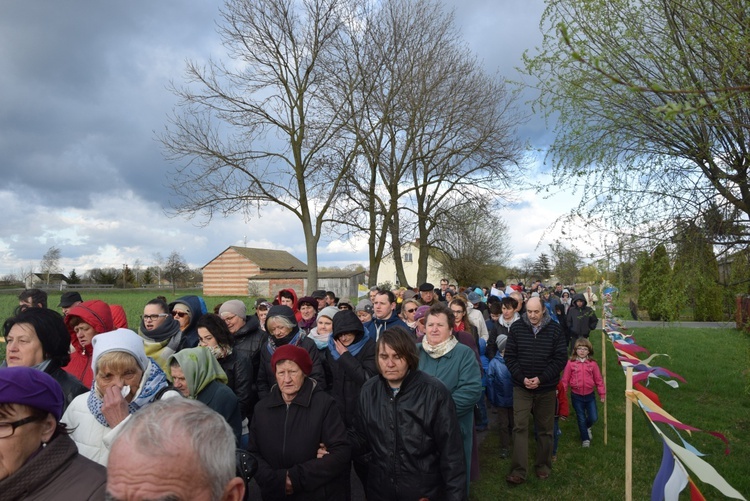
[[535, 311], [133, 474], [427, 296]]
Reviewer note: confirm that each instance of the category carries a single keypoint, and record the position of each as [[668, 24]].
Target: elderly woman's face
[[129, 374], [306, 311], [183, 317], [437, 329], [234, 322], [85, 333], [26, 439], [289, 377], [277, 329], [408, 310], [23, 347], [179, 381]]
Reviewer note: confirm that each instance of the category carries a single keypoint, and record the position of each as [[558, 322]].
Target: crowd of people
[[306, 390]]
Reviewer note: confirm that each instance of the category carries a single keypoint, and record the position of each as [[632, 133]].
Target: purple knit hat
[[27, 386]]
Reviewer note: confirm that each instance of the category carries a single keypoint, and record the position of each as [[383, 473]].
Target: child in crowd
[[561, 413], [482, 421], [582, 376], [500, 393]]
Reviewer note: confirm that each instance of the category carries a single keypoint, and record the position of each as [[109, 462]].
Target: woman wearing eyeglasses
[[160, 332], [38, 461]]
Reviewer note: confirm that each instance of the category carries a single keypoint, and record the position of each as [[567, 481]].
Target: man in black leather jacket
[[407, 420]]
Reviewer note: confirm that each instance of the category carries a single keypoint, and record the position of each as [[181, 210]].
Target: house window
[[407, 257]]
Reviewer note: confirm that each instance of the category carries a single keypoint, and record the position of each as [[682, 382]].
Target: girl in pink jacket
[[582, 375]]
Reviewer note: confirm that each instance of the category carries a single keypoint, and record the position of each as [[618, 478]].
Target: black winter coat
[[70, 385], [267, 377], [349, 374], [238, 367], [581, 321], [250, 338], [415, 440], [285, 439], [542, 355]]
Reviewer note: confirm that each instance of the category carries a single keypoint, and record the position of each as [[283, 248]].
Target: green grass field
[[715, 398]]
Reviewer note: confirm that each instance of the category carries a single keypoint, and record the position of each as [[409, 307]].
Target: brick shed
[[228, 273]]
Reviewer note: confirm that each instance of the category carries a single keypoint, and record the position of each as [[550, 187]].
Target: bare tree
[[50, 263], [259, 129], [470, 243], [159, 265], [175, 269], [428, 122]]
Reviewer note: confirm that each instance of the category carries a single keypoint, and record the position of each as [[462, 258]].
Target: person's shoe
[[591, 435], [514, 479], [586, 443], [504, 453], [554, 458], [542, 475]]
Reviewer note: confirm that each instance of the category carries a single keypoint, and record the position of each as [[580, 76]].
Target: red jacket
[[98, 315], [295, 305]]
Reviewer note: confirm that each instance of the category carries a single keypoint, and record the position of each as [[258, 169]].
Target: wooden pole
[[628, 436], [604, 376], [604, 354]]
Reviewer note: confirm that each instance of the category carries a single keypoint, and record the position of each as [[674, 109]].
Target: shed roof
[[268, 259]]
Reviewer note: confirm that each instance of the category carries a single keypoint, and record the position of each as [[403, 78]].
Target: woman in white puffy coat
[[125, 380]]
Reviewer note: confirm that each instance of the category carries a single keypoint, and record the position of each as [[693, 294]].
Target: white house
[[410, 259]]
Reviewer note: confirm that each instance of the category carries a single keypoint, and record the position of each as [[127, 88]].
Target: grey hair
[[165, 427], [282, 321]]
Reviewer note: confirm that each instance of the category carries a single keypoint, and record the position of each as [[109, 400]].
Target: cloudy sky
[[84, 90]]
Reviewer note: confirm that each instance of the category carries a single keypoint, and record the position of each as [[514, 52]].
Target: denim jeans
[[483, 419], [585, 407]]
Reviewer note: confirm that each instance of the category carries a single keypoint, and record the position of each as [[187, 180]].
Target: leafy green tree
[[652, 105], [588, 274], [542, 267], [566, 261], [73, 277], [658, 293], [107, 276], [147, 276], [645, 289], [696, 272]]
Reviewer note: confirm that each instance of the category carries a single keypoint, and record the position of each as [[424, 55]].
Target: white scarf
[[505, 323], [438, 350]]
